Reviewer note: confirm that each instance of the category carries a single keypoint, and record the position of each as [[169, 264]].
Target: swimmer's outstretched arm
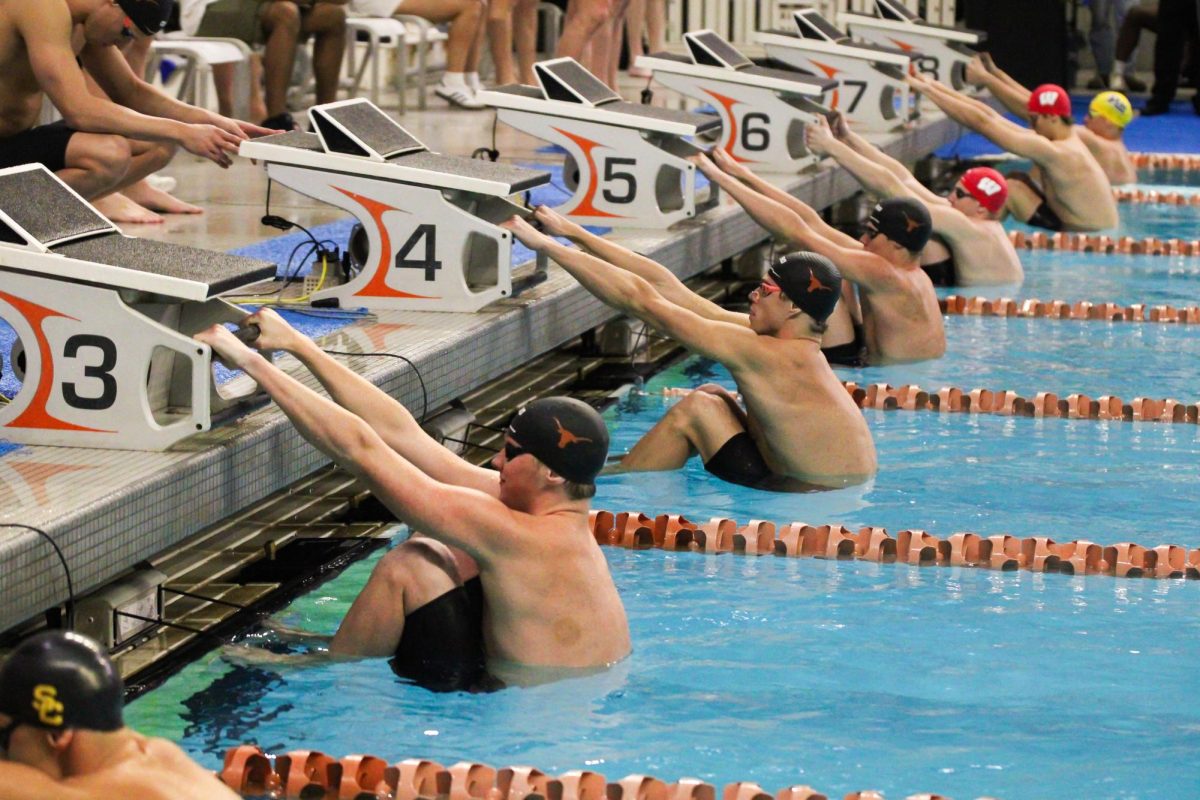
[[665, 281], [731, 345], [875, 177], [386, 415], [985, 120], [742, 175], [875, 155], [468, 519], [1003, 86]]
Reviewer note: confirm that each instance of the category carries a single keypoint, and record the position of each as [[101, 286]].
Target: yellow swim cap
[[1112, 106]]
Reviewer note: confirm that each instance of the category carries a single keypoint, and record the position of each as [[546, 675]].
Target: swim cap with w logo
[[565, 434]]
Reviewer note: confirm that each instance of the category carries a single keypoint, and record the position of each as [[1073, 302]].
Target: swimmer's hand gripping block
[[940, 52], [103, 323], [432, 222], [98, 371], [763, 111], [872, 91], [626, 165]]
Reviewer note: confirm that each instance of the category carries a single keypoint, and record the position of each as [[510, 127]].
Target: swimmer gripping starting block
[[938, 51], [432, 221], [627, 164], [872, 92], [763, 111], [104, 323]]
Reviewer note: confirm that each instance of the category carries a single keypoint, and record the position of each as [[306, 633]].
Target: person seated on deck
[[64, 738], [1067, 188], [1102, 130], [525, 525], [969, 246], [896, 310], [100, 146], [800, 429]]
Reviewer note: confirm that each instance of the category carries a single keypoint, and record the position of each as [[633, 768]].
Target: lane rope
[[313, 775], [957, 305], [639, 531]]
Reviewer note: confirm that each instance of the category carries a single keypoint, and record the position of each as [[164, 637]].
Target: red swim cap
[[1051, 100], [987, 186]]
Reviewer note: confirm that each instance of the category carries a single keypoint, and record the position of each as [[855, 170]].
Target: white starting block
[[432, 221], [627, 164], [763, 111], [872, 92], [104, 323], [938, 51]]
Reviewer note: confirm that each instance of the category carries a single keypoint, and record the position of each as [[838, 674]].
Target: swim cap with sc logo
[[57, 680]]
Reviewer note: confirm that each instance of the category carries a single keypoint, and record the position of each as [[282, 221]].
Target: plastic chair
[[199, 55]]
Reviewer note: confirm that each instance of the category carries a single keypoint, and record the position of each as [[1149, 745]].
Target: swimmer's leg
[[95, 163], [699, 423], [1025, 197], [404, 579]]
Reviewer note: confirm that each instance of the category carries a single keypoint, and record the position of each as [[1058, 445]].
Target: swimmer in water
[[1103, 129], [63, 737], [799, 429], [896, 308], [1067, 189], [969, 246], [525, 524]]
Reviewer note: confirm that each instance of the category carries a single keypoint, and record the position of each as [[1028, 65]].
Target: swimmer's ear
[[60, 740], [553, 478]]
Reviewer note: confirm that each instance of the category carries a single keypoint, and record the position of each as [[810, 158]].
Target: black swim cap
[[810, 281], [903, 220], [566, 435], [150, 16], [57, 680]]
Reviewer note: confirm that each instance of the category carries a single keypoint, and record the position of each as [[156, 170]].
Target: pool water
[[846, 675]]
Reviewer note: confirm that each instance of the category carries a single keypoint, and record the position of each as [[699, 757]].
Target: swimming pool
[[844, 675], [847, 675]]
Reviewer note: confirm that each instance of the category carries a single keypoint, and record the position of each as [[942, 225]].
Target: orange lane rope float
[[637, 531], [1104, 245], [1181, 162], [885, 397], [313, 775], [1153, 197], [957, 305]]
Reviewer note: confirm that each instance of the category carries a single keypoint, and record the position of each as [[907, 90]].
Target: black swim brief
[[739, 461], [45, 144], [848, 354], [942, 273], [442, 644], [1043, 216]]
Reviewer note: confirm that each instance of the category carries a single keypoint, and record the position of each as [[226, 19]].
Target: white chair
[[199, 55], [398, 35]]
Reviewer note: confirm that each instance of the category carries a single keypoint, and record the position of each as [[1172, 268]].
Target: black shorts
[[739, 461], [45, 144], [942, 273], [1043, 216], [848, 354]]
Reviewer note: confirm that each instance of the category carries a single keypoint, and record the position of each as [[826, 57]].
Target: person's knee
[[161, 153], [281, 15], [499, 10], [694, 409], [105, 156], [327, 19], [593, 12]]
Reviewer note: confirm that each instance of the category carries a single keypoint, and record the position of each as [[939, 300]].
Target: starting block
[[627, 164], [432, 221], [763, 111], [872, 92], [104, 323], [939, 51]]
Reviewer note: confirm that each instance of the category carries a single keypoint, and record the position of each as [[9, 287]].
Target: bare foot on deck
[[119, 208], [147, 196]]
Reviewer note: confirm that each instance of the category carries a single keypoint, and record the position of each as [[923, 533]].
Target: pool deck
[[109, 510]]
